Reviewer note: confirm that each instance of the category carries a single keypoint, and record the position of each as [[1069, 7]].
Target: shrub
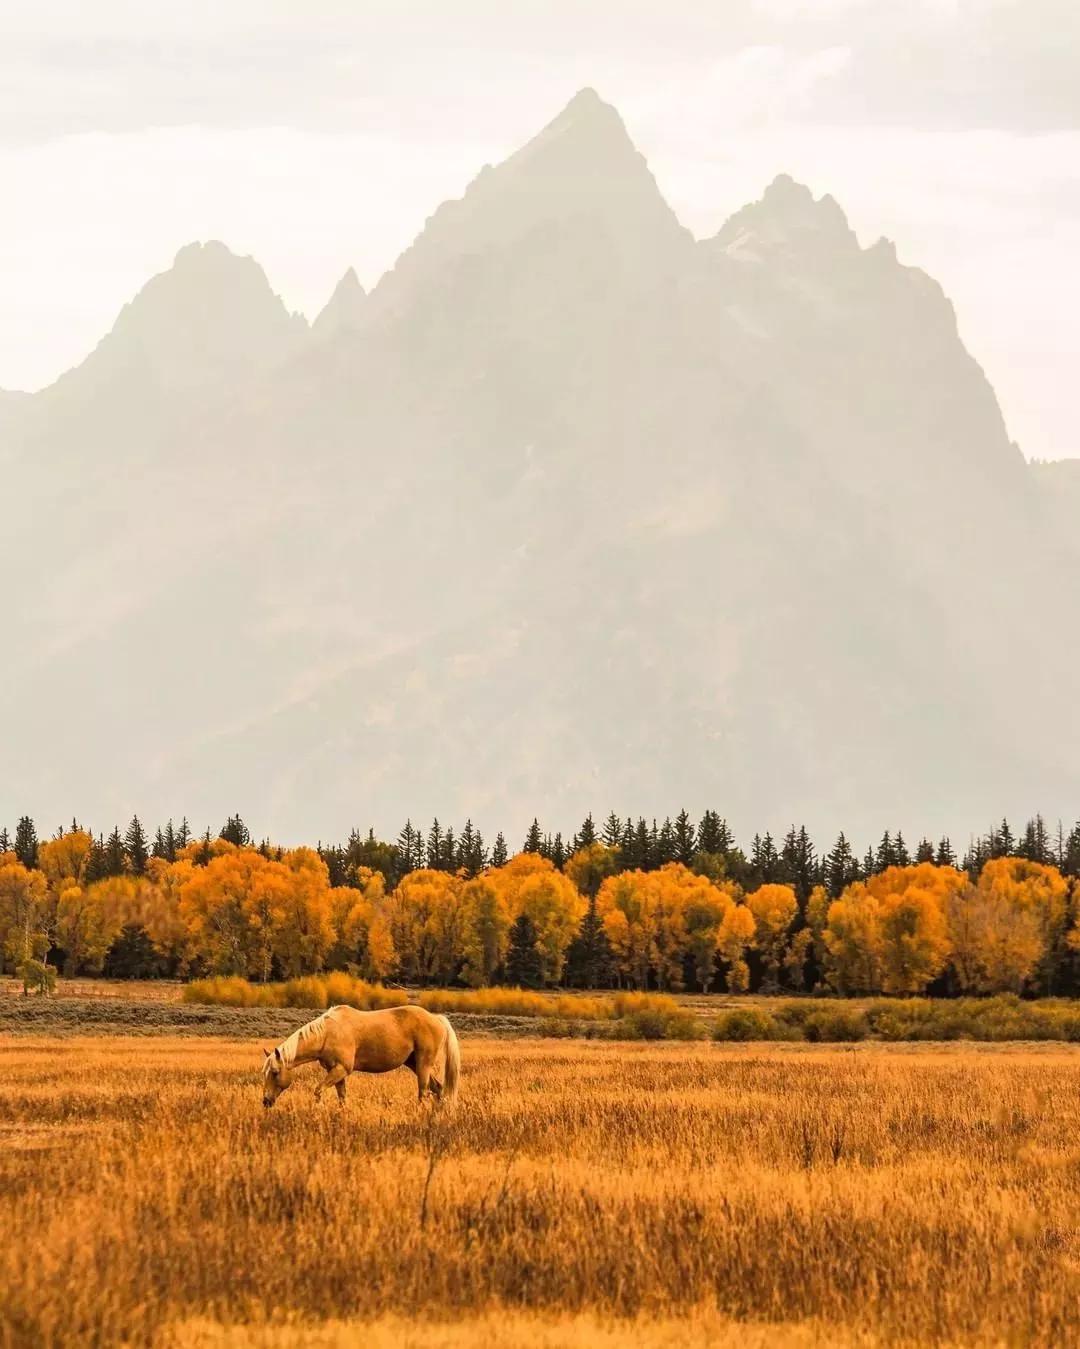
[[747, 1023], [314, 990], [36, 975], [649, 1023], [839, 1024]]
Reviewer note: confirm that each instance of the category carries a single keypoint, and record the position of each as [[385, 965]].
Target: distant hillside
[[570, 509]]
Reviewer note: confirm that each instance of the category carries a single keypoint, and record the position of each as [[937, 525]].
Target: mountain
[[344, 311], [570, 512]]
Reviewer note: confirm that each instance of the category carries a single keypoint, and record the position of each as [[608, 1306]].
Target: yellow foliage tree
[[532, 885], [24, 910], [427, 926], [487, 929], [774, 908]]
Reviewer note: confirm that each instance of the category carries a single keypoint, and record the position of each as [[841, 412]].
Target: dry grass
[[582, 1194]]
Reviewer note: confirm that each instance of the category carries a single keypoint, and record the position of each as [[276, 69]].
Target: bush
[[314, 990], [834, 1025], [36, 975], [747, 1023], [657, 1024]]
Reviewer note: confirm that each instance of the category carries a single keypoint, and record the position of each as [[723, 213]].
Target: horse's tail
[[452, 1051]]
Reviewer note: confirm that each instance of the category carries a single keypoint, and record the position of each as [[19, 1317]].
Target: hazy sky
[[320, 136]]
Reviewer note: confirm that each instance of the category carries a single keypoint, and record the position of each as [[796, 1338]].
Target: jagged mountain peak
[[788, 217], [581, 175], [207, 320], [343, 311]]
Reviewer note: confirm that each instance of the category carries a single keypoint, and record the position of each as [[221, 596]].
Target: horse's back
[[376, 1042]]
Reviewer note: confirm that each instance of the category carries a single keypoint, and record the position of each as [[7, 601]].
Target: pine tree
[[523, 965], [586, 835], [115, 857], [135, 848], [1002, 841], [448, 851], [925, 851], [534, 841], [5, 841], [499, 854], [613, 830], [641, 850], [558, 852], [183, 834], [946, 857], [685, 838], [900, 851], [204, 853], [589, 959], [96, 862], [840, 867], [407, 847], [434, 846], [26, 842], [1071, 857], [665, 844], [798, 865], [235, 831], [885, 856]]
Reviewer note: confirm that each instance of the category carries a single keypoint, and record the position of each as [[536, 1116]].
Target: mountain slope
[[570, 512]]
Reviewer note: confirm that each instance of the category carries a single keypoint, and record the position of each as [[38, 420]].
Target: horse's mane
[[289, 1048]]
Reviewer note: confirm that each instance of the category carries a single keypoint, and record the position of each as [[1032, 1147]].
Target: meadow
[[582, 1193]]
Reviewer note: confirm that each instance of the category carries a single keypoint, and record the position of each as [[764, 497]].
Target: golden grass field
[[582, 1194]]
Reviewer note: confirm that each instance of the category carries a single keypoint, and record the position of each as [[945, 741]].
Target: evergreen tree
[[1071, 855], [685, 839], [5, 841], [640, 849], [900, 851], [434, 846], [586, 835], [158, 849], [798, 865], [534, 841], [448, 852], [869, 866], [204, 853], [26, 842], [589, 959], [115, 858], [135, 848], [523, 965], [840, 867], [1002, 841], [558, 852], [665, 850], [946, 857], [885, 856], [764, 859], [96, 863], [409, 845], [714, 835], [235, 831], [613, 830], [499, 854], [183, 834], [925, 851]]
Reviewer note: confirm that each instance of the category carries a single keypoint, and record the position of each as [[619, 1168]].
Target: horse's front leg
[[334, 1078]]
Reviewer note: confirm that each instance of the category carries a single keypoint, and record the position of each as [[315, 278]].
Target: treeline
[[644, 906]]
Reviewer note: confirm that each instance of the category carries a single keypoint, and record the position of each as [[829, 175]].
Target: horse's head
[[277, 1075]]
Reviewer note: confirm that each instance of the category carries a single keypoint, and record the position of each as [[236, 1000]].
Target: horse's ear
[[277, 1055], [266, 1053]]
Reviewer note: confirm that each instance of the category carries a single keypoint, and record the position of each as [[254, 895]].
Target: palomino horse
[[346, 1041]]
